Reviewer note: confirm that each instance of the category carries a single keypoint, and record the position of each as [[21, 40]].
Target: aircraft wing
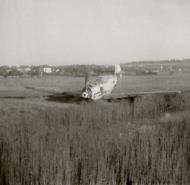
[[44, 89], [138, 94], [58, 95]]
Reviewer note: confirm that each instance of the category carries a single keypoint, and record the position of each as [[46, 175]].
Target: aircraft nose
[[85, 95]]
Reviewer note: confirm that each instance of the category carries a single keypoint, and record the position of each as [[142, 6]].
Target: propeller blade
[[86, 80]]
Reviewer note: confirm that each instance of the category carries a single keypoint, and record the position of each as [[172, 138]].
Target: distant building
[[24, 69], [59, 71], [47, 70]]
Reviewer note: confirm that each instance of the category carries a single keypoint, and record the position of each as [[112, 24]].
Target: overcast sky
[[59, 32]]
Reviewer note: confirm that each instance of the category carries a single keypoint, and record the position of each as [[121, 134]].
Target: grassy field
[[127, 84], [80, 144]]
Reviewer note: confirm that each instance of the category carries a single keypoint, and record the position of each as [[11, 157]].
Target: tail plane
[[118, 71]]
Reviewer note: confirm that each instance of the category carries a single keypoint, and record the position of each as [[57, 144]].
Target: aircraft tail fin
[[118, 71]]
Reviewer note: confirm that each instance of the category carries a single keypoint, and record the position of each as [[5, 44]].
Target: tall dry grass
[[94, 144]]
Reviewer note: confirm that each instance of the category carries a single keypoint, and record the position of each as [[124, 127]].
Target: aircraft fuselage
[[96, 89]]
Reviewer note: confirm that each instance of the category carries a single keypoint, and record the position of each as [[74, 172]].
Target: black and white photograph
[[94, 92]]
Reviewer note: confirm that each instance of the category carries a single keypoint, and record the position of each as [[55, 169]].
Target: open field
[[53, 143], [127, 84]]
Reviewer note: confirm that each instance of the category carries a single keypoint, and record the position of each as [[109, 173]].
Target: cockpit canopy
[[98, 81]]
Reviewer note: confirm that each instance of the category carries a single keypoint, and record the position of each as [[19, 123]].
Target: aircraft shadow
[[12, 97], [66, 97]]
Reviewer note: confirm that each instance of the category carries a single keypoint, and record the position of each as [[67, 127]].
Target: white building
[[47, 70]]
